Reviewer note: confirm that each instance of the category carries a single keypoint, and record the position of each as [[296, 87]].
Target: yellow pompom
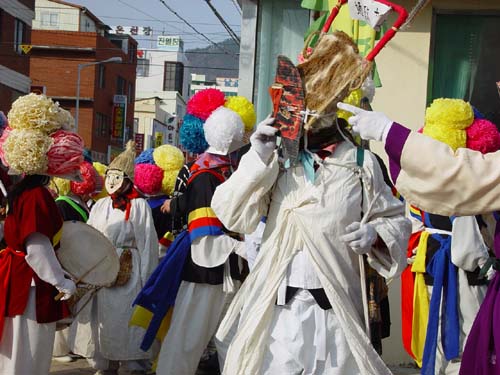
[[449, 113], [244, 108], [59, 185], [452, 137], [354, 98], [168, 182], [168, 158], [101, 169]]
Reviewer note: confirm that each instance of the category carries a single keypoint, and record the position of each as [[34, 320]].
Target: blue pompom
[[477, 114], [146, 157], [192, 136]]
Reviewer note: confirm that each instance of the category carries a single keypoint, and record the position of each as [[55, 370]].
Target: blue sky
[[154, 14]]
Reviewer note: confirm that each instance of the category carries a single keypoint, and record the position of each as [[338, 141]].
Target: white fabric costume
[[103, 330], [301, 247]]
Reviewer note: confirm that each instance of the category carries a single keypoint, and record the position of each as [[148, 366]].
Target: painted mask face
[[114, 180]]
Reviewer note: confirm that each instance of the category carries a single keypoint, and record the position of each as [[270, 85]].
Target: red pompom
[[483, 136], [91, 183], [204, 102], [148, 178]]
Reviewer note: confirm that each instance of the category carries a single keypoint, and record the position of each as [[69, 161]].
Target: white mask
[[114, 180]]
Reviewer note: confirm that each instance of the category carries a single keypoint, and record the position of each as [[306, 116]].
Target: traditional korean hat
[[217, 123], [39, 139], [456, 123], [156, 170], [125, 161]]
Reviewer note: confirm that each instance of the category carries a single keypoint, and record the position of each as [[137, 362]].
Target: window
[[465, 57], [19, 35], [173, 76], [50, 20], [102, 127], [120, 85], [102, 76], [142, 67], [130, 92]]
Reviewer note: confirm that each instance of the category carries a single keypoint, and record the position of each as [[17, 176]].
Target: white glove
[[360, 237], [264, 139], [491, 271], [368, 124], [68, 287]]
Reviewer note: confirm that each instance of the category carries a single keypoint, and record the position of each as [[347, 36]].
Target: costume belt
[[445, 283]]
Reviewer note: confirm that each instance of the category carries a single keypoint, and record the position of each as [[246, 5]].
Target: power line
[[191, 26], [230, 31], [236, 5]]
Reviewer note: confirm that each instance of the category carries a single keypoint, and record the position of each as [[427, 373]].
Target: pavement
[[80, 367]]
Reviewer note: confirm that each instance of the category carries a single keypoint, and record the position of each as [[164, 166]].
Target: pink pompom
[[91, 180], [204, 102], [148, 178], [483, 136], [4, 136], [66, 153]]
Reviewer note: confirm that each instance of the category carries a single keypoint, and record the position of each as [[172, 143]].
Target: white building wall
[[67, 16]]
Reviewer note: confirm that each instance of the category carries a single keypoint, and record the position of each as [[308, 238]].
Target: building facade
[[15, 31], [451, 50], [229, 86], [68, 38]]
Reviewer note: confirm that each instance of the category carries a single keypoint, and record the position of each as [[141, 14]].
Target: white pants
[[26, 346], [197, 314], [308, 340]]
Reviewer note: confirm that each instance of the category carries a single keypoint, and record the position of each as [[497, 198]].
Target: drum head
[[84, 248]]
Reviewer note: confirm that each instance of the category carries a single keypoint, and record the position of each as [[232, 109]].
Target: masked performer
[[37, 146], [449, 253], [446, 182], [155, 176], [210, 270], [126, 220]]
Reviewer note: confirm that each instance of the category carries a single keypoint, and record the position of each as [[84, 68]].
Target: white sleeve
[[212, 251], [468, 249], [242, 200], [388, 218], [41, 257]]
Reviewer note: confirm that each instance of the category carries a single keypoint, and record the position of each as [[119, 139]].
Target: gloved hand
[[264, 139], [68, 287], [360, 237], [490, 273], [368, 124]]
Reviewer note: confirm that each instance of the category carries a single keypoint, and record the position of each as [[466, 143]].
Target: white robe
[[104, 330], [308, 217]]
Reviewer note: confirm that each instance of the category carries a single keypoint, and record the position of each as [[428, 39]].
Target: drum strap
[[75, 206]]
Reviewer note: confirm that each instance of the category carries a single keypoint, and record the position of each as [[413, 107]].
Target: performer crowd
[[248, 257]]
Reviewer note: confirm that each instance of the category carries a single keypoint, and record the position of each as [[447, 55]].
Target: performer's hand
[[360, 237], [368, 124], [264, 139], [68, 287], [165, 207]]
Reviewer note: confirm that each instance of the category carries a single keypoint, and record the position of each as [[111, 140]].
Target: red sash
[[15, 283]]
